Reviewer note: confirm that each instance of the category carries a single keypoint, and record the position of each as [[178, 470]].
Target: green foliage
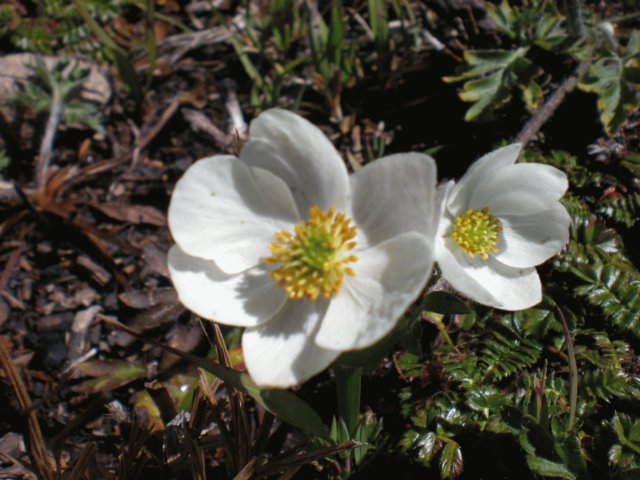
[[268, 49], [334, 57], [614, 288], [61, 84], [507, 373], [626, 447], [436, 446], [615, 78], [368, 433], [604, 384], [508, 353], [624, 209], [379, 25], [538, 23], [491, 75], [57, 27]]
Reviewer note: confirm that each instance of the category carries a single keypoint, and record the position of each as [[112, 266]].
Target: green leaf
[[379, 24], [110, 374], [410, 364], [613, 287], [451, 461], [506, 353], [573, 454], [624, 209], [604, 384], [535, 22], [286, 406], [491, 75], [614, 79], [547, 468]]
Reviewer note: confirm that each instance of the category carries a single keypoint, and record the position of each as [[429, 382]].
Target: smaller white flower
[[310, 260], [497, 223]]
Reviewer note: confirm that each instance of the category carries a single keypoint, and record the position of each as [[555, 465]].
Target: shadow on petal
[[245, 299]]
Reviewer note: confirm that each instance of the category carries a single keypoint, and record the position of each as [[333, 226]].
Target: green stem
[[348, 387], [573, 369], [436, 319]]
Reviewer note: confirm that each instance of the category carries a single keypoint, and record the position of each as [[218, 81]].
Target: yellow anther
[[313, 261], [476, 232]]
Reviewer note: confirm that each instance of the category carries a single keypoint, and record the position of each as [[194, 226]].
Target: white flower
[[282, 241], [497, 223]]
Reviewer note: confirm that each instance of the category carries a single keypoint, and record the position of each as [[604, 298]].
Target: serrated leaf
[[573, 454], [451, 462], [615, 288], [506, 353], [547, 468]]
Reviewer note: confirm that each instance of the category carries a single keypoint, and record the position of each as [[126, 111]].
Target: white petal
[[394, 195], [529, 240], [281, 353], [488, 282], [478, 173], [298, 152], [225, 211], [389, 277], [245, 299], [442, 197], [520, 189]]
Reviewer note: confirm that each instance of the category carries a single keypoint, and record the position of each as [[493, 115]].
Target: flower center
[[476, 232], [314, 260]]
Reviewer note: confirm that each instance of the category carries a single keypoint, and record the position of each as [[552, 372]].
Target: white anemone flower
[[311, 261], [497, 223]]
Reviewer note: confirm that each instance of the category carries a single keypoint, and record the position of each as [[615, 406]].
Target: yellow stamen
[[314, 258], [476, 232]]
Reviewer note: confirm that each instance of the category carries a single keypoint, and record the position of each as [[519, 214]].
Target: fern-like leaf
[[615, 288], [604, 384], [624, 210], [505, 354]]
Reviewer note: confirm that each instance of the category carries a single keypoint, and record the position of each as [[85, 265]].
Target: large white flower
[[282, 241], [497, 223]]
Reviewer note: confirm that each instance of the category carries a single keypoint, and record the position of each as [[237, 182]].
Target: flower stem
[[348, 387], [573, 369], [436, 319]]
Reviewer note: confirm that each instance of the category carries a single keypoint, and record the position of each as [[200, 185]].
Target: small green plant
[[57, 26], [491, 75], [268, 49], [615, 78], [333, 56], [60, 84]]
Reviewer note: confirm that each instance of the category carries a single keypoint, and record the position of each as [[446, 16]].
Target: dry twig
[[38, 454]]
